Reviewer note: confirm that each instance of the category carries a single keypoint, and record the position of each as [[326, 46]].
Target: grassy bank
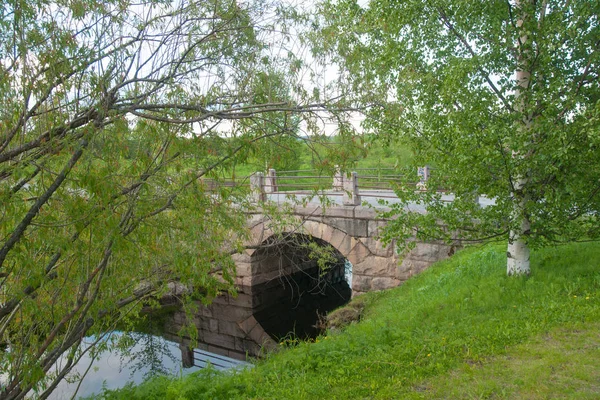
[[462, 329]]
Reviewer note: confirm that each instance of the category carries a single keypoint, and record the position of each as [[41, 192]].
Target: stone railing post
[[257, 187], [271, 181], [338, 180], [351, 196], [423, 173]]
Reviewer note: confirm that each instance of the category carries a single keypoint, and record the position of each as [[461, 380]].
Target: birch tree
[[500, 97]]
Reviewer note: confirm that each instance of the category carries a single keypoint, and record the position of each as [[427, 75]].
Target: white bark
[[517, 256], [517, 261]]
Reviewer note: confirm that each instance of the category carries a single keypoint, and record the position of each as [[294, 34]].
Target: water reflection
[[285, 294], [148, 356]]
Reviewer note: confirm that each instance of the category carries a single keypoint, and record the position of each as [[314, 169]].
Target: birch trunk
[[517, 256], [517, 262]]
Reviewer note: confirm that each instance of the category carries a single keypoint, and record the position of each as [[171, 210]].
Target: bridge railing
[[366, 182], [379, 182]]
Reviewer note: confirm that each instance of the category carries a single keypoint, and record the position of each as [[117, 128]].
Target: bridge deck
[[370, 197]]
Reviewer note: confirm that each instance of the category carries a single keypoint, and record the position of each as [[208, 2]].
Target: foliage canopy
[[112, 113], [501, 97]]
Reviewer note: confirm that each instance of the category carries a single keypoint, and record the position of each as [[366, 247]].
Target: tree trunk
[[517, 257]]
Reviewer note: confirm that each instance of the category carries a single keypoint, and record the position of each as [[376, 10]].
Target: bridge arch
[[351, 247], [291, 289]]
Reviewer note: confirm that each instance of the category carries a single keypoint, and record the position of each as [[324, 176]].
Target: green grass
[[313, 159], [563, 363], [462, 329]]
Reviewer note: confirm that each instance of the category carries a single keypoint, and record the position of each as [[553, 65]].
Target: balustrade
[[348, 186]]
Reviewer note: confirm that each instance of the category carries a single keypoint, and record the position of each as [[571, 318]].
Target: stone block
[[177, 289], [267, 345], [403, 276], [376, 266], [327, 233], [309, 210], [218, 350], [221, 299], [257, 233], [202, 346], [231, 329], [217, 339], [229, 313], [179, 318], [241, 258], [339, 211], [237, 355], [219, 276], [429, 252], [202, 323], [213, 325], [204, 311], [266, 262], [345, 246], [239, 344], [241, 300], [244, 282], [251, 347], [377, 247], [405, 266], [361, 283], [353, 227], [365, 213], [246, 289], [269, 276], [382, 283], [376, 228], [243, 268], [258, 299], [419, 267], [313, 228], [172, 327], [358, 252], [248, 324], [337, 238], [410, 267], [257, 334]]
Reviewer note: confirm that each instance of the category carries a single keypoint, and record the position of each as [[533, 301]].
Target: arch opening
[[298, 279]]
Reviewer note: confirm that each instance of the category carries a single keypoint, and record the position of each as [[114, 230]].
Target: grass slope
[[561, 364], [462, 329]]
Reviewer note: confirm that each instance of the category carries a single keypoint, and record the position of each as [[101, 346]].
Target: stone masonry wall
[[354, 231]]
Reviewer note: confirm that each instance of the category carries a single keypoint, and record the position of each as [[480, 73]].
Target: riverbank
[[462, 329]]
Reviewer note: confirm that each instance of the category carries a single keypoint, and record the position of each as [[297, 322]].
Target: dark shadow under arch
[[292, 290]]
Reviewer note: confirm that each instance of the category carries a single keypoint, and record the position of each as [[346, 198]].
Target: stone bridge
[[282, 291], [353, 231]]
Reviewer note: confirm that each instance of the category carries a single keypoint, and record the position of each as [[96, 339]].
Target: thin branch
[[19, 230], [467, 46]]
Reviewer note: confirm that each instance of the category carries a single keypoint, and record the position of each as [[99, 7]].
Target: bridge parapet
[[355, 232], [348, 185]]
